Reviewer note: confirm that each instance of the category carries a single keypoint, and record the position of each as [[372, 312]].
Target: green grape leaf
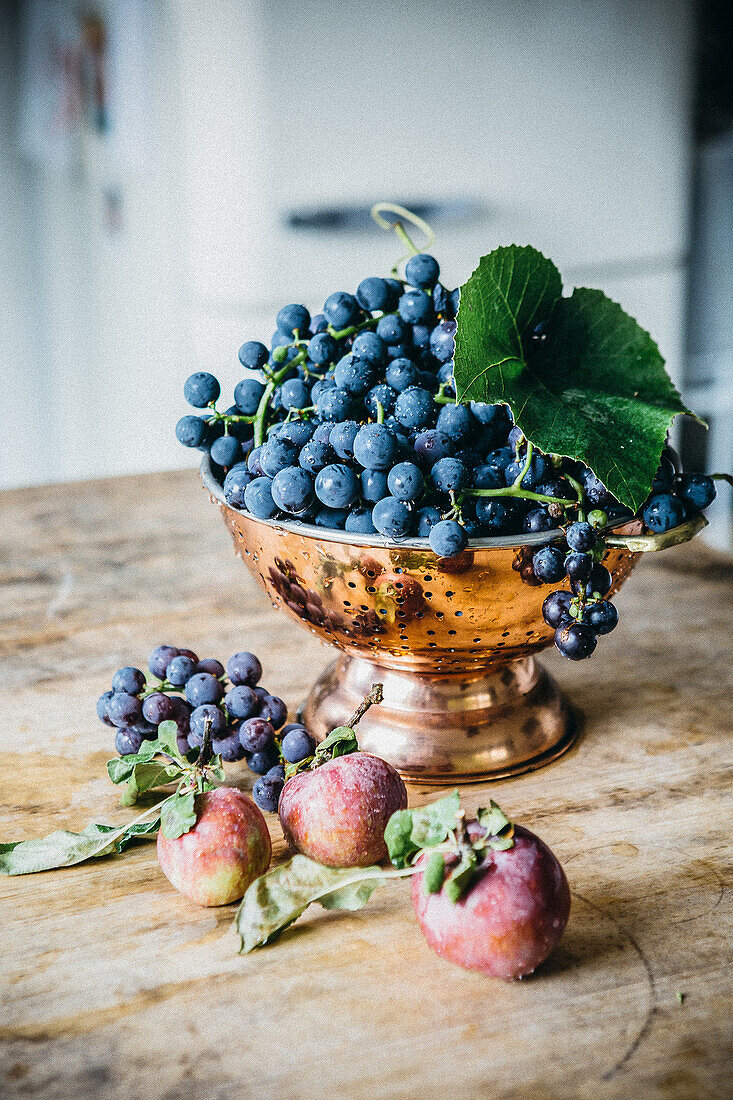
[[146, 776], [64, 849], [277, 898], [594, 388], [168, 740], [340, 742], [409, 831], [492, 818], [177, 815]]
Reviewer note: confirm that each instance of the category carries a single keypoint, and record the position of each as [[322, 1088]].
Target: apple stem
[[376, 695]]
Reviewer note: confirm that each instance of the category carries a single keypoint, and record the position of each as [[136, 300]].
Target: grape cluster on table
[[245, 721], [349, 421]]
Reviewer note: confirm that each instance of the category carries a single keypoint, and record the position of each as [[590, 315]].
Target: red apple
[[509, 920], [337, 813], [227, 849]]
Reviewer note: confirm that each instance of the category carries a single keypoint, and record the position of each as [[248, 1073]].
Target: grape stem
[[260, 416]]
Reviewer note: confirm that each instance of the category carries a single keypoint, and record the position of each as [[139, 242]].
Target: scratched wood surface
[[115, 986]]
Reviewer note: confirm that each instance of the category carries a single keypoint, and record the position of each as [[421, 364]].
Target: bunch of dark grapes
[[349, 421], [245, 721]]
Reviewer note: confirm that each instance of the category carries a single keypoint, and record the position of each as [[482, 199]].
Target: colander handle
[[645, 544]]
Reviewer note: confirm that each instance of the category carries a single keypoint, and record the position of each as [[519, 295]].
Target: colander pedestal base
[[465, 727]]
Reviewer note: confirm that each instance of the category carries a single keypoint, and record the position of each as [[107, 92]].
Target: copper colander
[[452, 641]]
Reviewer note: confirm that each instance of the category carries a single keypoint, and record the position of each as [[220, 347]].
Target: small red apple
[[227, 849], [509, 920], [337, 813]]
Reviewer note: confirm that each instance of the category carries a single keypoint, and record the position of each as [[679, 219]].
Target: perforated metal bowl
[[452, 641]]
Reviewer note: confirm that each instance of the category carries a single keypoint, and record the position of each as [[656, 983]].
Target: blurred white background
[[153, 154]]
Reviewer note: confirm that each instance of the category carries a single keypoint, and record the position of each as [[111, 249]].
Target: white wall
[[568, 121]]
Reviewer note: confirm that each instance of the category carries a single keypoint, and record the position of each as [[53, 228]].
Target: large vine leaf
[[592, 388]]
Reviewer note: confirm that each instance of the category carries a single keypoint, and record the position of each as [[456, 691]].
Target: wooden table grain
[[114, 986]]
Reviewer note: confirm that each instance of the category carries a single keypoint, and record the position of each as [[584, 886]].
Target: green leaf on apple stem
[[64, 849], [593, 385], [277, 898], [409, 831], [434, 873], [146, 776], [177, 815]]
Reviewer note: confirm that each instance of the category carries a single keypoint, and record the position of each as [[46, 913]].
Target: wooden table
[[116, 986]]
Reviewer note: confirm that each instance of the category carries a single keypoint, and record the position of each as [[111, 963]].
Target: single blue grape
[[207, 712], [427, 518], [292, 489], [599, 582], [601, 616], [253, 355], [318, 323], [201, 389], [228, 747], [578, 566], [536, 472], [370, 348], [431, 445], [192, 431], [393, 518], [392, 330], [415, 307], [202, 688], [456, 421], [488, 414], [241, 701], [663, 512], [581, 536], [266, 791], [415, 408], [256, 734], [274, 710], [128, 741], [294, 318], [258, 498], [226, 451], [596, 492], [449, 475], [538, 519], [405, 481], [442, 341], [180, 670], [337, 486], [375, 447], [342, 438], [322, 348], [276, 455], [353, 375], [261, 762], [448, 538], [501, 458], [158, 708], [373, 485], [556, 608], [697, 491], [315, 456], [295, 394], [359, 522], [253, 462], [383, 395], [297, 432], [124, 709], [373, 294], [128, 679], [401, 374], [576, 641], [333, 404], [548, 564], [210, 664], [422, 270], [297, 745], [421, 341], [487, 477], [244, 668], [341, 309]]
